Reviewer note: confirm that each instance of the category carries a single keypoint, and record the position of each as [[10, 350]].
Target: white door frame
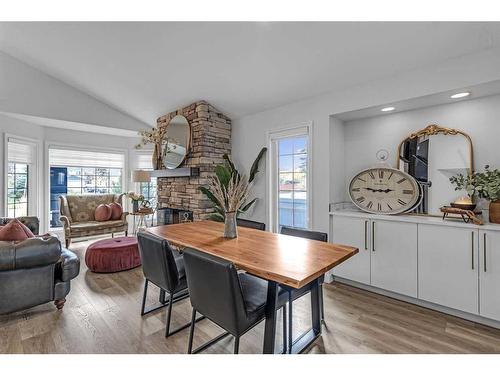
[[300, 129]]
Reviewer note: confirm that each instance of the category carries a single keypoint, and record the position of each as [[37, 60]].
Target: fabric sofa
[[34, 271], [77, 216]]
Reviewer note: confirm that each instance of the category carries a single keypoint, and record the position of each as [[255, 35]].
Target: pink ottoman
[[113, 255]]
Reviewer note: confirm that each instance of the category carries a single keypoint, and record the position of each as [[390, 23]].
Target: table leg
[[308, 337], [316, 307], [270, 327]]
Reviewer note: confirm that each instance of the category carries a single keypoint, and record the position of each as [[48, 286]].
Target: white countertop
[[418, 219]]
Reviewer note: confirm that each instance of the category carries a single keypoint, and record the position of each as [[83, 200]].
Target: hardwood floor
[[102, 315]]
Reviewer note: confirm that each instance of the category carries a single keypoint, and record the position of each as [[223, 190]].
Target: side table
[[141, 221]]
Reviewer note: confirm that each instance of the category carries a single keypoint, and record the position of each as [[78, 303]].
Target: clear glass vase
[[230, 228]]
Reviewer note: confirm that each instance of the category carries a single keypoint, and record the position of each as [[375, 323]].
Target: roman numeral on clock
[[361, 199], [380, 174], [370, 204], [355, 189], [379, 207], [401, 181], [390, 176], [407, 191], [371, 175], [401, 202]]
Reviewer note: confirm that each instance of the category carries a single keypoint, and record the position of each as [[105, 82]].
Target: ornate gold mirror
[[432, 155], [176, 142]]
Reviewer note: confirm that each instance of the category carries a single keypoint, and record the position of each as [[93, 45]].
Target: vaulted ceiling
[[148, 69]]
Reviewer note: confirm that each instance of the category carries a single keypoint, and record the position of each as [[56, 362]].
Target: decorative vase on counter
[[135, 206], [495, 212], [230, 228]]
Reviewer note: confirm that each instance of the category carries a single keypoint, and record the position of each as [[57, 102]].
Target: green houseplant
[[223, 175], [485, 185]]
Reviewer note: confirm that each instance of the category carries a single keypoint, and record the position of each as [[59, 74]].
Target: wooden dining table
[[277, 258]]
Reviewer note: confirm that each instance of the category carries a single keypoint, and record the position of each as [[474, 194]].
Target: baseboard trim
[[415, 301]]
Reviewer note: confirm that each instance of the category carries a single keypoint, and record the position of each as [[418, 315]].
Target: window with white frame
[[21, 177], [147, 189], [75, 172], [290, 176]]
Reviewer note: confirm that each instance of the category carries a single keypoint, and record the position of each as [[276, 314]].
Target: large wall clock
[[384, 190]]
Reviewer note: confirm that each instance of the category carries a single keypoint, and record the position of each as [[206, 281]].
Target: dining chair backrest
[[250, 224], [309, 234], [215, 289], [158, 263]]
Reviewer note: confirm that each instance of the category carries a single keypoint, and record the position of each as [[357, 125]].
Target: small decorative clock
[[384, 190]]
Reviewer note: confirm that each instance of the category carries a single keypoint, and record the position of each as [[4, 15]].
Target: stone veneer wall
[[210, 140]]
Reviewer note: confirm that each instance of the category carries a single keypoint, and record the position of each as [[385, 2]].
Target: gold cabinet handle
[[472, 249], [373, 236], [484, 250]]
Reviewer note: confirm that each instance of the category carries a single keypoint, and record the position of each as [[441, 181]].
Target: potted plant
[[223, 172], [485, 185], [136, 198], [231, 192]]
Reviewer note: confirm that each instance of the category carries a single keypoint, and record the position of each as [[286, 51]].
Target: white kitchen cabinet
[[394, 256], [448, 266], [353, 232], [489, 274]]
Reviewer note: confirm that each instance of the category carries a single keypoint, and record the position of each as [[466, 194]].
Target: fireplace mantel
[[177, 172]]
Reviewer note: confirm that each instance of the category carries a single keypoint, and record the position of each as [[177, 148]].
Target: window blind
[[20, 152], [144, 161], [82, 158]]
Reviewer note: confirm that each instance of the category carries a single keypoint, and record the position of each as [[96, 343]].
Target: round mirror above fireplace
[[177, 142]]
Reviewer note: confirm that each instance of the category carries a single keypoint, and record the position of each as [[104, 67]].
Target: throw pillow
[[116, 211], [102, 212], [15, 231]]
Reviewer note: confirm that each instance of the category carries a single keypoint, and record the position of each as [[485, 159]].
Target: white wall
[[249, 132], [47, 135], [28, 91], [477, 117]]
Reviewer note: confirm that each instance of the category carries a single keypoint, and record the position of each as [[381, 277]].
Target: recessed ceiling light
[[388, 109], [460, 95]]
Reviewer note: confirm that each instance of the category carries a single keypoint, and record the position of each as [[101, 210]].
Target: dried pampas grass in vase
[[231, 199]]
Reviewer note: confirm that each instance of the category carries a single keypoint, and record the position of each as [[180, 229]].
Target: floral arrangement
[[224, 174], [135, 197], [154, 136], [231, 195], [483, 184]]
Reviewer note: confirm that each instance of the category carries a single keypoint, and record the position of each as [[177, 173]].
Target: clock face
[[384, 191]]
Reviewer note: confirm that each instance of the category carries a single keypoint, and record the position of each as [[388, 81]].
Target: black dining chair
[[234, 301], [250, 224], [294, 294], [163, 267]]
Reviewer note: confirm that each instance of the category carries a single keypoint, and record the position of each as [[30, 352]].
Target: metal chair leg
[[144, 297], [290, 323], [162, 299], [236, 345], [169, 313], [191, 332], [284, 329]]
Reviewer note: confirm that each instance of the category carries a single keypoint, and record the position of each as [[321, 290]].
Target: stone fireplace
[[210, 140]]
